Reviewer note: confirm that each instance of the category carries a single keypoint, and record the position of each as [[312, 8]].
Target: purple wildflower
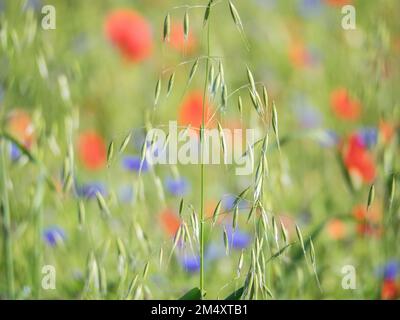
[[15, 153], [328, 139], [390, 270], [368, 136], [177, 187], [191, 263], [228, 202], [134, 163], [238, 239], [54, 235], [89, 190]]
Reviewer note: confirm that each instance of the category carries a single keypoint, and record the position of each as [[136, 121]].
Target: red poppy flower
[[170, 222], [178, 42], [338, 3], [92, 150], [191, 110], [336, 229], [358, 160], [344, 106], [130, 33], [19, 125], [389, 290]]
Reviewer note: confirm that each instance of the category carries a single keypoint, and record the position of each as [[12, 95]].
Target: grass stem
[[5, 210], [202, 173]]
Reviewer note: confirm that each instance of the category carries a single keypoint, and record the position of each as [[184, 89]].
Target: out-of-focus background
[[67, 93]]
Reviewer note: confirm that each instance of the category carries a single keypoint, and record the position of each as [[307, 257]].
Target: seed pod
[[181, 206], [240, 105], [145, 270], [193, 70], [222, 72], [167, 27], [170, 83], [216, 84], [143, 154], [157, 91], [284, 233], [223, 141], [207, 12], [102, 204], [312, 252], [210, 77], [216, 212], [235, 217], [255, 102], [392, 189], [371, 196], [132, 285], [235, 16], [224, 96], [125, 142], [250, 213], [186, 25], [110, 152], [300, 237], [265, 97], [226, 242], [81, 213], [240, 264], [275, 123], [251, 80], [161, 256], [121, 248]]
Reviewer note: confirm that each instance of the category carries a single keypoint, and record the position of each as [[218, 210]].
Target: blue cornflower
[[15, 152], [238, 239], [177, 187], [54, 235], [328, 138], [390, 270], [309, 8], [368, 136], [89, 190], [134, 163], [228, 202], [191, 263]]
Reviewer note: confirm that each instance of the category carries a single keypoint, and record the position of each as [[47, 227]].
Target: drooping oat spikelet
[[170, 84], [216, 212], [157, 91], [125, 142], [193, 70], [81, 213], [207, 12], [110, 153], [371, 196], [102, 205], [186, 25], [167, 27]]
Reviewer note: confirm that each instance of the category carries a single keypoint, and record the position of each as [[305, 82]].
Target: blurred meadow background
[[108, 221]]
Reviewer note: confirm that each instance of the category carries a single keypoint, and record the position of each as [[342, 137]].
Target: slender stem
[[202, 173], [5, 209], [37, 213]]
